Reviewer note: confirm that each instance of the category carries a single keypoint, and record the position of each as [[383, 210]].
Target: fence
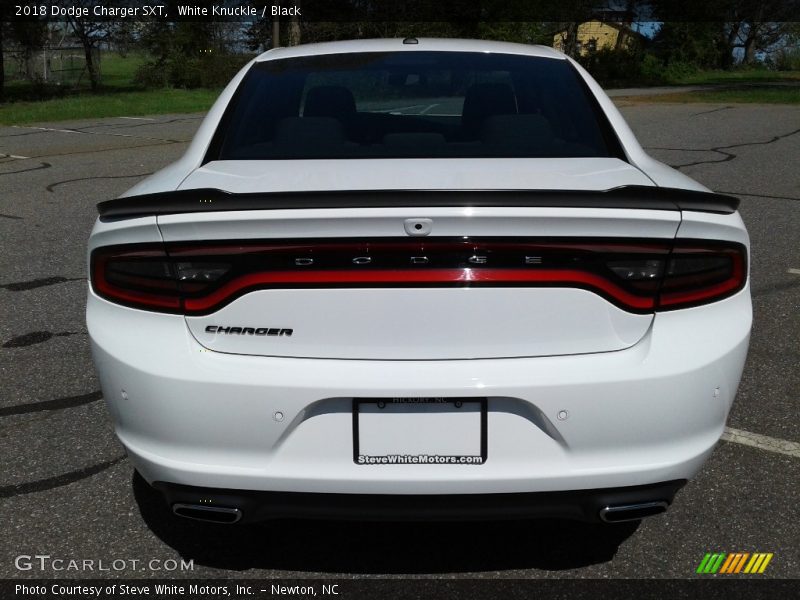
[[59, 66]]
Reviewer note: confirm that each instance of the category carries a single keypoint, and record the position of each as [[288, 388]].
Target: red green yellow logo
[[734, 562]]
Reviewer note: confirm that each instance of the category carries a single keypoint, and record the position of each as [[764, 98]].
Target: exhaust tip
[[209, 514], [632, 512]]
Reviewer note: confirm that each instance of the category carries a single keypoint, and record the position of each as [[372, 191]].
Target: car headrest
[[329, 101], [517, 130], [486, 99], [295, 131]]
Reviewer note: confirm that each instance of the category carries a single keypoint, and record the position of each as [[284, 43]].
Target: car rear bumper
[[609, 505], [651, 413]]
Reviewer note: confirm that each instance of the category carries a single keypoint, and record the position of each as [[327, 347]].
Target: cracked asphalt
[[66, 488]]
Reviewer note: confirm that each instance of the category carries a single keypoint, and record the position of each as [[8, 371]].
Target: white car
[[422, 279]]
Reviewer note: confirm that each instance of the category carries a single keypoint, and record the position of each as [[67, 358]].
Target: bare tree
[[570, 39], [30, 37], [758, 36], [3, 9], [93, 34], [2, 55], [276, 32], [755, 26], [90, 35], [294, 27], [578, 12], [627, 22]]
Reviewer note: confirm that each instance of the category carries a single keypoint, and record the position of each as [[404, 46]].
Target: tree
[[3, 9], [751, 26], [90, 35], [266, 32], [522, 32], [294, 28], [691, 43], [190, 54], [30, 37]]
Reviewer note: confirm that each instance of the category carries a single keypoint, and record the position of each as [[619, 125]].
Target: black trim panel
[[582, 505], [213, 200]]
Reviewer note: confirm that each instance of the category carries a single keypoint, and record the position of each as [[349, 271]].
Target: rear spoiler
[[212, 200]]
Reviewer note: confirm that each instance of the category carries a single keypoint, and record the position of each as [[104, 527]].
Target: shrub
[[614, 67], [677, 71], [788, 60], [208, 70], [651, 69]]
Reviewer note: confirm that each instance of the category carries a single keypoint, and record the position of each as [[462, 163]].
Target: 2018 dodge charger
[[418, 279]]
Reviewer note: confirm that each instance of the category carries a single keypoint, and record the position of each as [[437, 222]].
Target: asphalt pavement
[[67, 490]]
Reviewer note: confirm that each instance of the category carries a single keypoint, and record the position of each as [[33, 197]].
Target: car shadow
[[394, 548]]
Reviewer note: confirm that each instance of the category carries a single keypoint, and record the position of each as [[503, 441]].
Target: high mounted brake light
[[639, 276]]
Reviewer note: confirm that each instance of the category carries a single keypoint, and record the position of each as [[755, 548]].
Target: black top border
[[215, 200], [409, 11]]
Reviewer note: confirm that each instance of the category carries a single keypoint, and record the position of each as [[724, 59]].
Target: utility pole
[[294, 28], [276, 32]]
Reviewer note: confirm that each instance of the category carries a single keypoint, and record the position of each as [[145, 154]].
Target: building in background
[[592, 36]]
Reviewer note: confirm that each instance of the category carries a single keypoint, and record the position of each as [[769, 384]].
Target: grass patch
[[116, 104], [751, 94], [736, 76], [116, 74], [118, 71], [119, 96]]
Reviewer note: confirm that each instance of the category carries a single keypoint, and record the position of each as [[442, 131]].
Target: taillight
[[638, 276], [145, 276], [700, 273], [136, 275]]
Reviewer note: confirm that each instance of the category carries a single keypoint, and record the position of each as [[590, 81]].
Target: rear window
[[412, 105]]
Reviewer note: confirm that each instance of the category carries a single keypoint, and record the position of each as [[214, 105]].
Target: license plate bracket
[[420, 431]]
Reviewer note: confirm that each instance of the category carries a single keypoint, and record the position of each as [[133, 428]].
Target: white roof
[[389, 45]]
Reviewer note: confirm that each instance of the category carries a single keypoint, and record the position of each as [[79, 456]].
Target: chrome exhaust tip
[[632, 512], [209, 514]]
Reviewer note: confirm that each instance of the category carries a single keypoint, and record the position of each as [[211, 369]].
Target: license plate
[[402, 431]]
